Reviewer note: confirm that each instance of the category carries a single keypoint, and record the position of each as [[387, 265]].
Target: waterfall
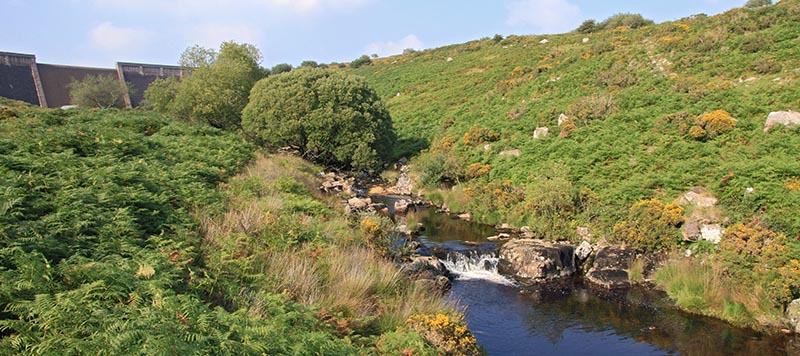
[[471, 264]]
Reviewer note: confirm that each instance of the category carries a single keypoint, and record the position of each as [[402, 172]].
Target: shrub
[[697, 132], [334, 118], [651, 225], [593, 107], [550, 203], [478, 134], [587, 26], [446, 332], [624, 20], [281, 68], [752, 4], [99, 91], [567, 128], [361, 61], [160, 94], [475, 170], [439, 168], [717, 122]]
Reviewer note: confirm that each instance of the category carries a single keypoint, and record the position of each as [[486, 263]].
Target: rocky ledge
[[531, 261]]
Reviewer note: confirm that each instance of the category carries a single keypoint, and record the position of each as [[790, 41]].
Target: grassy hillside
[[651, 113], [631, 94], [128, 232]]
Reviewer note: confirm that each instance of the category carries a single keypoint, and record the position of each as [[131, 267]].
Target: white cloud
[[550, 16], [119, 40], [389, 48]]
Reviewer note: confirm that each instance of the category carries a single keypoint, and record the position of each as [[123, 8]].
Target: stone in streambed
[[610, 267], [530, 260]]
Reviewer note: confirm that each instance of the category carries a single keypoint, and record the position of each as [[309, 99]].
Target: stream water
[[573, 319]]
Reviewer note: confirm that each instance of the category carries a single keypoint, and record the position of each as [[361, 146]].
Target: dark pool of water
[[579, 320]]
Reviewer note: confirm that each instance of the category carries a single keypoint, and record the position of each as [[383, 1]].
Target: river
[[573, 319]]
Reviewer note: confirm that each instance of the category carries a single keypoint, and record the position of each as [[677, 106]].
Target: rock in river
[[610, 267], [530, 260]]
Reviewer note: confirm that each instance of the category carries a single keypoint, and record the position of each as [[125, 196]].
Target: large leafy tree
[[216, 91], [334, 118]]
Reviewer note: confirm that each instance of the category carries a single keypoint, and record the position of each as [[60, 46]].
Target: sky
[[102, 32]]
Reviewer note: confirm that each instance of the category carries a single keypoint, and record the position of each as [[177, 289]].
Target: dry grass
[[338, 273], [699, 285], [354, 281]]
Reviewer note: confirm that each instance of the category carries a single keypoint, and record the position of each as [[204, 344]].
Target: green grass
[[124, 231]]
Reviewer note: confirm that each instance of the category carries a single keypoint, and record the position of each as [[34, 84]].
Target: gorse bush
[[333, 118], [651, 225]]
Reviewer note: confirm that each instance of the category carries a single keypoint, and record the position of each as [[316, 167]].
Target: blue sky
[[102, 32]]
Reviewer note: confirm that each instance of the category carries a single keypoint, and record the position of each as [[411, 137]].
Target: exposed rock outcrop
[[429, 272], [789, 119], [583, 251], [404, 184], [334, 183], [540, 132], [610, 267], [529, 260], [793, 314], [704, 221], [513, 153]]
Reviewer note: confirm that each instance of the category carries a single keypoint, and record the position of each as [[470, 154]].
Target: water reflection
[[507, 322]]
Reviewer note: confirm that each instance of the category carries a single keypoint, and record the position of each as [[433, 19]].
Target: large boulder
[[610, 267], [425, 267], [529, 260], [793, 314], [540, 132], [789, 119], [511, 153], [583, 251]]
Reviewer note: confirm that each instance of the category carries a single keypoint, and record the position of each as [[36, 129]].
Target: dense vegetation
[[648, 115], [333, 118], [119, 235], [216, 91]]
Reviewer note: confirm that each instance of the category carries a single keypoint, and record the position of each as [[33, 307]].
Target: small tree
[[217, 93], [197, 57], [160, 94], [587, 26], [310, 64], [99, 91], [334, 118], [752, 4]]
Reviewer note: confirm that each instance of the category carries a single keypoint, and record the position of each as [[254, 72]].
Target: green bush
[[624, 19], [334, 118], [361, 61], [752, 4], [99, 91]]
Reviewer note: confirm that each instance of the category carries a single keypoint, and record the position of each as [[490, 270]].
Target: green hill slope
[[632, 94]]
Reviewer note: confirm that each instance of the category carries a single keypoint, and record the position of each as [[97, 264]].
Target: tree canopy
[[98, 91], [218, 88], [334, 118]]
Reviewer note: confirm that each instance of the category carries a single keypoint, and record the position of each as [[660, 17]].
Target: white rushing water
[[475, 265]]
